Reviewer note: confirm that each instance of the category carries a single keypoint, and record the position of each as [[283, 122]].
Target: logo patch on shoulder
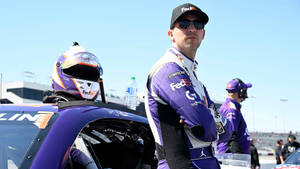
[[176, 74], [230, 115], [231, 105]]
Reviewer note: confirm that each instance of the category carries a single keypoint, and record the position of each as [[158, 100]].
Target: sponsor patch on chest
[[182, 83]]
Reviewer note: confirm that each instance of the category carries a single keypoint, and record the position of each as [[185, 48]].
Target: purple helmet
[[77, 72]]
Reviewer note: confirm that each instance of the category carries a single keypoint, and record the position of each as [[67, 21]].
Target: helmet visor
[[82, 58]]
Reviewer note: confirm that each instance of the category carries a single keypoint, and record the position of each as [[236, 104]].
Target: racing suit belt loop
[[202, 153]]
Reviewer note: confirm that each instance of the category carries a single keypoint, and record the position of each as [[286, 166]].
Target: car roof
[[28, 107], [72, 118], [68, 119]]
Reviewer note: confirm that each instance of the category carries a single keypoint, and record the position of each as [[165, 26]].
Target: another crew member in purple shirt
[[231, 109]]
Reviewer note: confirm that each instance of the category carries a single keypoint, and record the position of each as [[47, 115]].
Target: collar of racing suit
[[190, 67], [187, 62]]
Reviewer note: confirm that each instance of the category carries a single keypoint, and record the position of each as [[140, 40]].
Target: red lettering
[[187, 83]]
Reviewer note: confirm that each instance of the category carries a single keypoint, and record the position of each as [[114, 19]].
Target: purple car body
[[58, 127]]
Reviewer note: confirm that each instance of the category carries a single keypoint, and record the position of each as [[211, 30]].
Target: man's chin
[[191, 45]]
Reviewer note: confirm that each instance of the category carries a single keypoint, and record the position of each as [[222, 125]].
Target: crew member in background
[[183, 119], [290, 147], [254, 156], [278, 155], [231, 109]]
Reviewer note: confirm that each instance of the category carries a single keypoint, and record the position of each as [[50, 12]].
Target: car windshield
[[17, 133], [294, 158]]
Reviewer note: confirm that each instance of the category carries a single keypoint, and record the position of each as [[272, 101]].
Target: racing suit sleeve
[[176, 90], [223, 126]]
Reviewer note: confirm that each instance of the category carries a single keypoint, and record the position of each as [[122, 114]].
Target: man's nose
[[191, 27]]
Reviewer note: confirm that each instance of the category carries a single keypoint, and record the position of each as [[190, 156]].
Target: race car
[[41, 136]]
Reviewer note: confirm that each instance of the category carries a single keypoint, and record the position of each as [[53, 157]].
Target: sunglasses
[[184, 24]]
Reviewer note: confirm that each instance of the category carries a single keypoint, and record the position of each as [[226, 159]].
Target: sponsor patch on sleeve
[[176, 74], [230, 115], [231, 105], [220, 128]]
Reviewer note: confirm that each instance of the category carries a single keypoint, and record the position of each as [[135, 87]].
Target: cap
[[292, 136], [235, 85], [187, 8]]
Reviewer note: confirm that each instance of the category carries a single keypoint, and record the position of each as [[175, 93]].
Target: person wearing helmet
[[231, 109], [76, 76]]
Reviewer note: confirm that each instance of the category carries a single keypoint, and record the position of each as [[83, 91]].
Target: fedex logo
[[229, 85], [183, 82], [187, 9]]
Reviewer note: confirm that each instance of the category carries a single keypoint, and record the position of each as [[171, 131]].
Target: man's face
[[235, 96], [189, 38]]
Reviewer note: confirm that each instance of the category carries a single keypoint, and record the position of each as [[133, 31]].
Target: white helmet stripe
[[56, 78]]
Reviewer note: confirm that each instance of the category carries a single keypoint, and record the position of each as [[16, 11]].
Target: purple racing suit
[[240, 141], [175, 93]]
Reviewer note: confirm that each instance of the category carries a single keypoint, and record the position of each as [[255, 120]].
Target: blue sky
[[257, 41]]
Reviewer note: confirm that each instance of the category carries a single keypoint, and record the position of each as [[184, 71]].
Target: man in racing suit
[[182, 117], [231, 109]]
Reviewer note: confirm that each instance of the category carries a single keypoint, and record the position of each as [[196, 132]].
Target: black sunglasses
[[185, 23]]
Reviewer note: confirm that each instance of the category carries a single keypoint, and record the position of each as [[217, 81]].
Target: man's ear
[[203, 34], [170, 34]]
